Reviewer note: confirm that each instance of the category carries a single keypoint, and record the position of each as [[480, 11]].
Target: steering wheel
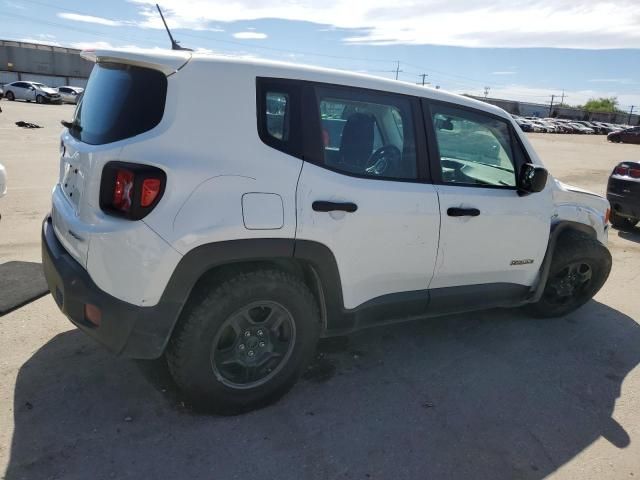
[[383, 160]]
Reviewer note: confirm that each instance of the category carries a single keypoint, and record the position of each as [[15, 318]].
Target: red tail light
[[150, 190], [621, 170], [634, 173], [131, 190], [122, 190]]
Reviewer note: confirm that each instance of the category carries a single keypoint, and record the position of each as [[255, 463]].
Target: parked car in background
[[596, 128], [524, 125], [31, 91], [70, 94], [3, 181], [630, 135], [623, 193], [541, 126], [581, 128]]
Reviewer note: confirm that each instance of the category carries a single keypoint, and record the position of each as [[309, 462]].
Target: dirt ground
[[485, 395]]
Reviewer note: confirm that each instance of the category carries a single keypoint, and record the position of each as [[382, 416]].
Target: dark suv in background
[[623, 193]]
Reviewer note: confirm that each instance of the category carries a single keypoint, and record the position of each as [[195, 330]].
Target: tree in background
[[609, 105]]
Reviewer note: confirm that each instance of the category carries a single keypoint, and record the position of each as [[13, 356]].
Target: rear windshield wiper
[[71, 125]]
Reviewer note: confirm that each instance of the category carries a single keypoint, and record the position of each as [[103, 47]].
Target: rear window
[[120, 101]]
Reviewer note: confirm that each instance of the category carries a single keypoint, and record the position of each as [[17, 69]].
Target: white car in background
[[70, 94], [3, 181], [31, 91]]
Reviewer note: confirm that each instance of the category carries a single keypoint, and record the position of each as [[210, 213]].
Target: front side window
[[475, 148], [367, 134]]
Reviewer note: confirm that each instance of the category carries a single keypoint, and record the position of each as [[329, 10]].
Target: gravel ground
[[483, 395]]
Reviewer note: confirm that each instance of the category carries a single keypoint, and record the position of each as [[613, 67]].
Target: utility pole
[[562, 99], [423, 75], [397, 68], [486, 91], [551, 106], [630, 113]]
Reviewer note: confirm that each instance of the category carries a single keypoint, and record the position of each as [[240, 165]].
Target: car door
[[19, 89], [363, 194], [492, 240], [29, 92]]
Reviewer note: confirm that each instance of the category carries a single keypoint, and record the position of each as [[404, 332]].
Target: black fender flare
[[153, 330], [557, 230]]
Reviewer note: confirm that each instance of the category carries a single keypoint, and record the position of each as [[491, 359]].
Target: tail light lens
[[634, 173], [122, 190], [621, 170], [131, 190]]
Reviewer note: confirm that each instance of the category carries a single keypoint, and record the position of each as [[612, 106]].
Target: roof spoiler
[[167, 61]]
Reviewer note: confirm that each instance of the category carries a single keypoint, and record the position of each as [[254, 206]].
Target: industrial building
[[48, 64]]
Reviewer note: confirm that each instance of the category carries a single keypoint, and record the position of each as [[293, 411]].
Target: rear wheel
[[622, 223], [244, 344], [10, 96], [579, 268]]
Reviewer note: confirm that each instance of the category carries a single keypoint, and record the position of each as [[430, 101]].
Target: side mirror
[[32, 88], [532, 179]]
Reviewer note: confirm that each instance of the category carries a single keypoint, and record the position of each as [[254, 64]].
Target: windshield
[[120, 101]]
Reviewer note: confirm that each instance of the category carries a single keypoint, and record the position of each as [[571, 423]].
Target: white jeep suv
[[230, 227]]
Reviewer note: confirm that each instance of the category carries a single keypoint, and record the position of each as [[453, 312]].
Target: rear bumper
[[125, 329], [625, 206]]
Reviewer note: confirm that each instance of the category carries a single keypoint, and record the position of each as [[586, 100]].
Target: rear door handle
[[322, 206], [463, 212]]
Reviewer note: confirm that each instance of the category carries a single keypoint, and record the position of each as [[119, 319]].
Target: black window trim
[[311, 149], [434, 150], [294, 145]]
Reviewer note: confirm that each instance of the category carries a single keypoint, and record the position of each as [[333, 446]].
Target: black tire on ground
[[10, 96], [579, 267], [40, 99], [622, 223], [204, 332]]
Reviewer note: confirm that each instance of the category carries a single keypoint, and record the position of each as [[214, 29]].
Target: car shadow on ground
[[632, 235], [483, 395]]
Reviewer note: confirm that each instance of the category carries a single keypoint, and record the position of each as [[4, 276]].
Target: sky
[[523, 50]]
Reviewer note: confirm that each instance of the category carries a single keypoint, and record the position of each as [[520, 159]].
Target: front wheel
[[40, 99], [244, 344], [622, 223], [579, 267]]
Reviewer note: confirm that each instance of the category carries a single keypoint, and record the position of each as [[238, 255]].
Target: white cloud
[[91, 19], [504, 72], [250, 35], [473, 23]]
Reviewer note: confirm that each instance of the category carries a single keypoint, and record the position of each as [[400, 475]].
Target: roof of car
[[170, 61]]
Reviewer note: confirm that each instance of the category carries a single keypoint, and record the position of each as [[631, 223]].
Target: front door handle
[[463, 212], [322, 206]]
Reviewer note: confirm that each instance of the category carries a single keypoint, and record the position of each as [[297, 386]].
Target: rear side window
[[120, 101], [278, 111]]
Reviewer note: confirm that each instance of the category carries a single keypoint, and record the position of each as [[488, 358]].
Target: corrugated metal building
[[51, 65]]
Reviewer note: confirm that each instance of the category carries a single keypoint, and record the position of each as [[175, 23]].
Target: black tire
[[192, 350], [10, 96], [40, 99], [591, 258], [622, 223]]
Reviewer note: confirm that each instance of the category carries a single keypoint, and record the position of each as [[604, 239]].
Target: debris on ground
[[27, 124]]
